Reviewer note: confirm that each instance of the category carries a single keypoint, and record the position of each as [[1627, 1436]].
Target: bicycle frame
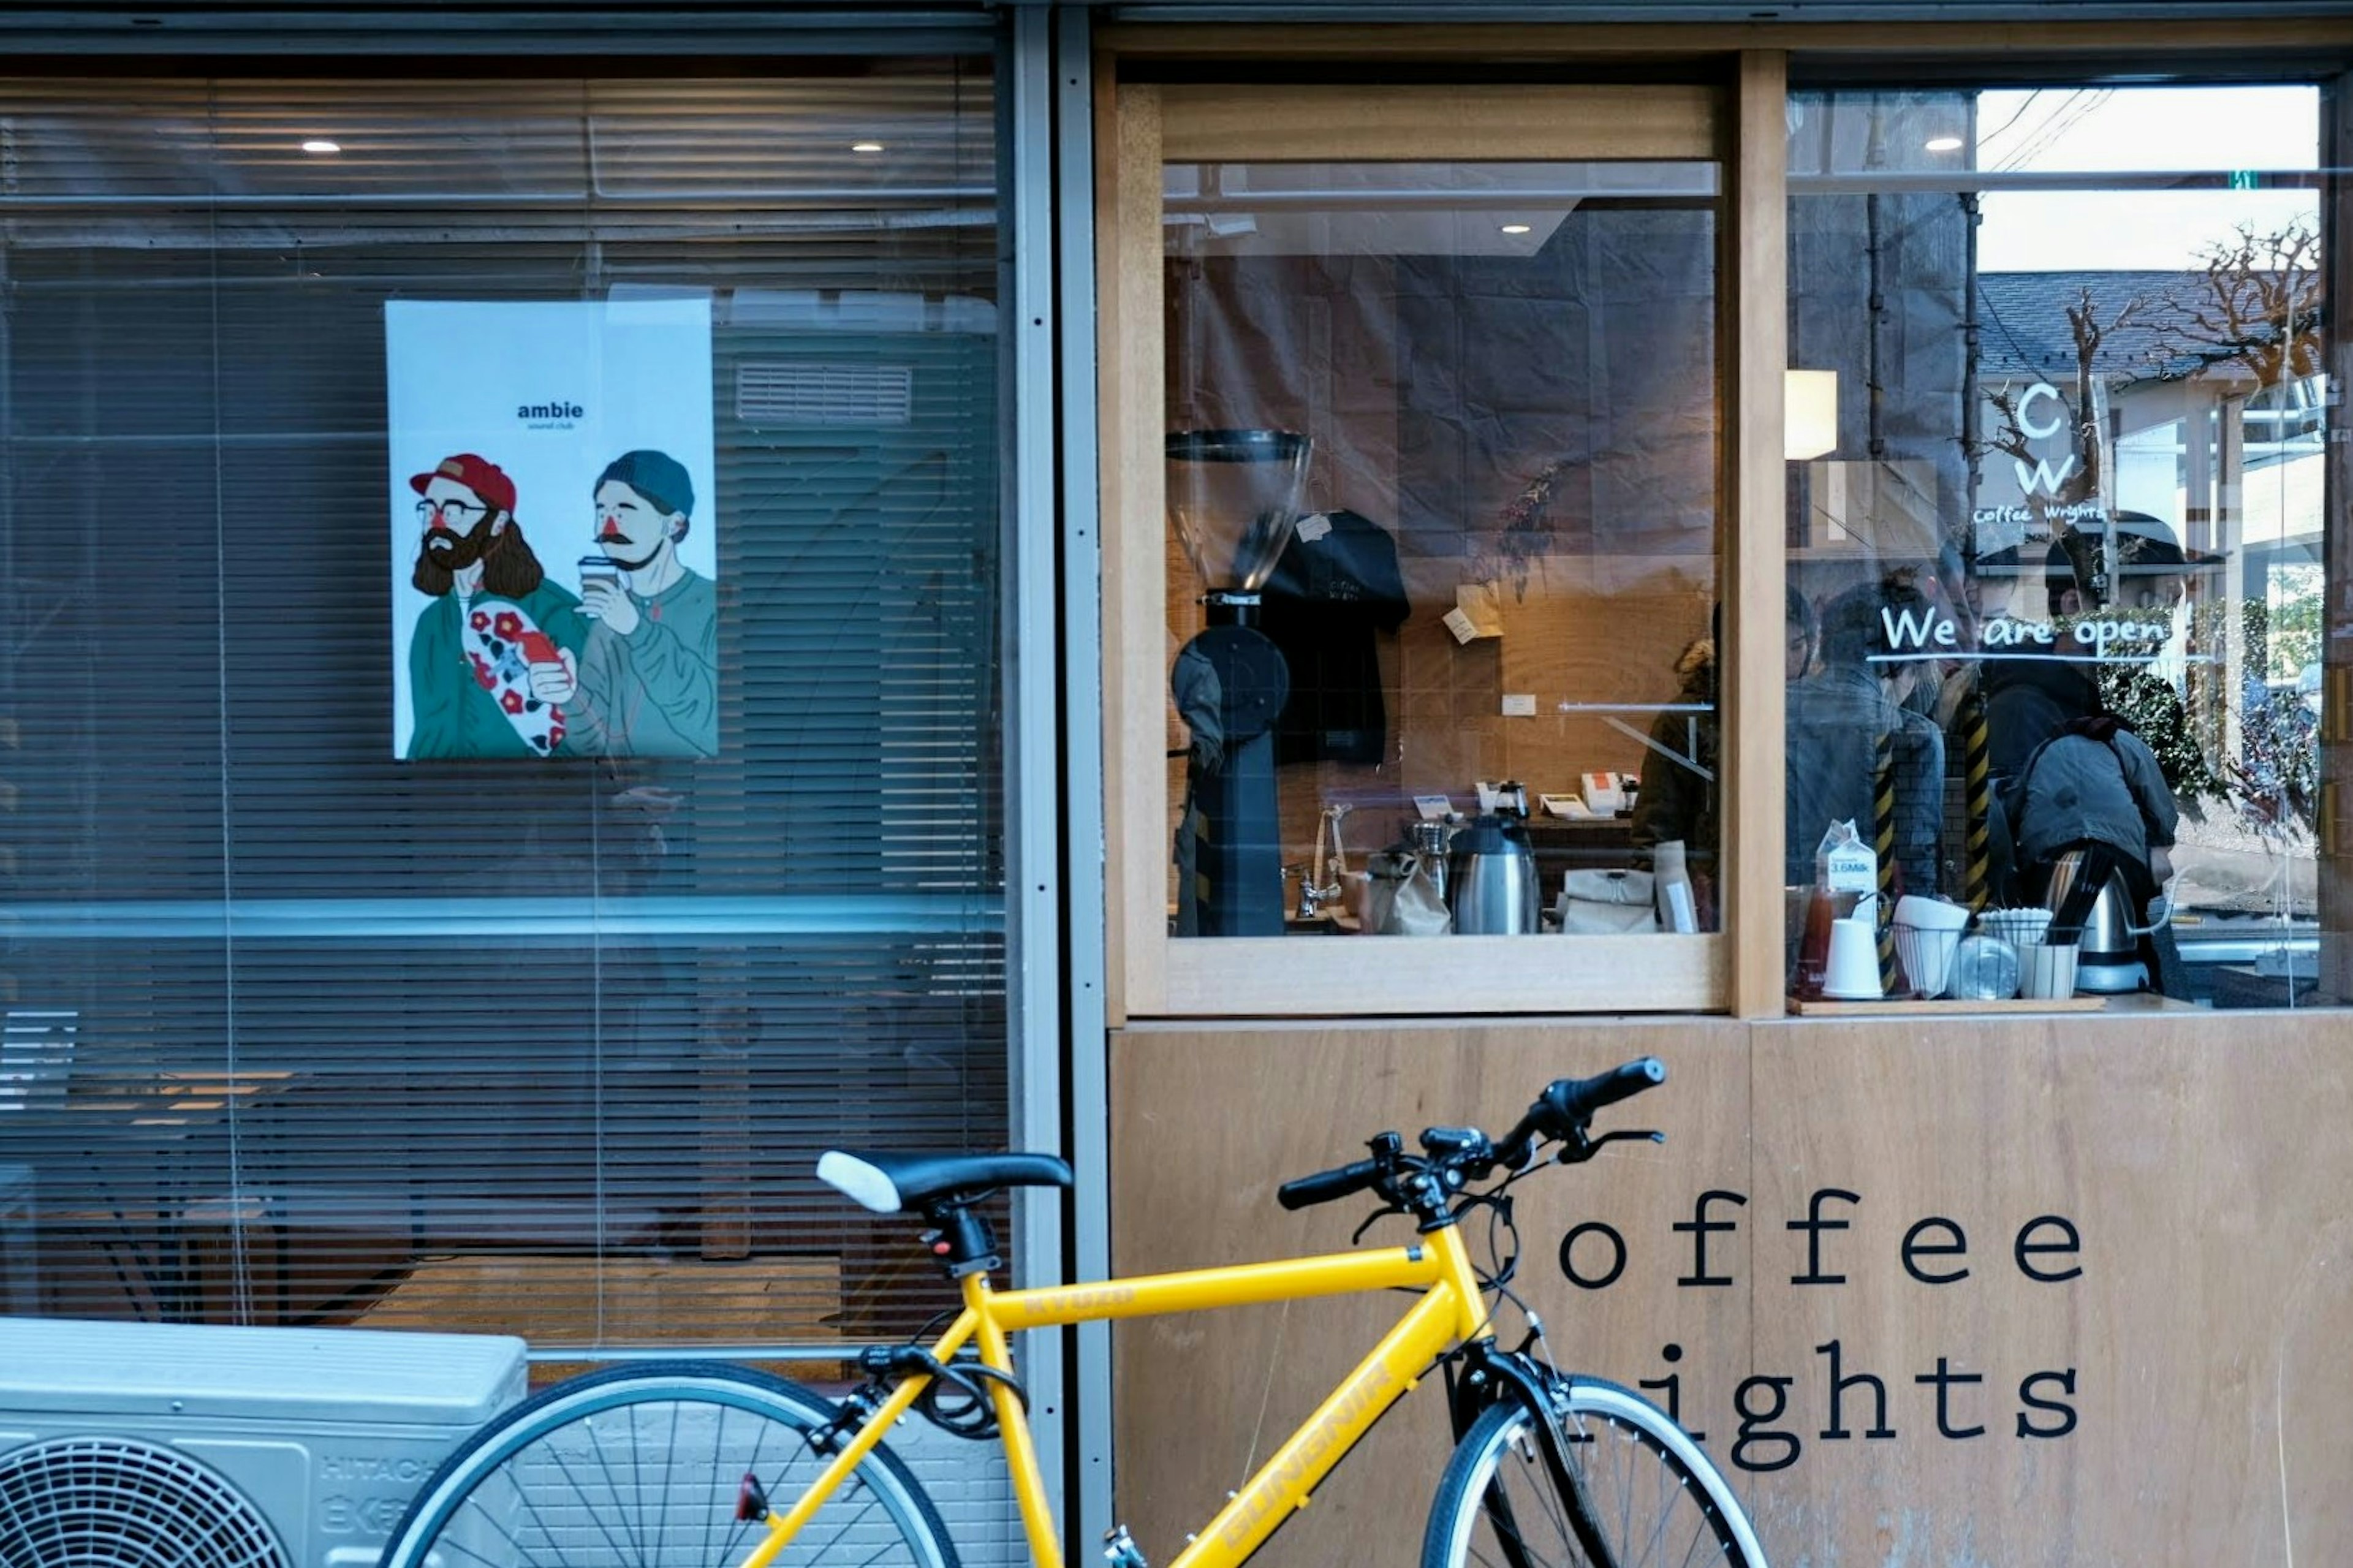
[[1449, 1311]]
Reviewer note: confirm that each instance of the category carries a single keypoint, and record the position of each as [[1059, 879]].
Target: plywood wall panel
[[1207, 1124], [2198, 1159]]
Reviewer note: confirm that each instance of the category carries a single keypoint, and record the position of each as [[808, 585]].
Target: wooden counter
[[2117, 1334]]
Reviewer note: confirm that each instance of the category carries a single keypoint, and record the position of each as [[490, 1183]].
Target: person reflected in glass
[[1802, 633], [1958, 594], [1848, 715], [2036, 685], [2151, 580], [2070, 772], [1679, 801], [2094, 784]]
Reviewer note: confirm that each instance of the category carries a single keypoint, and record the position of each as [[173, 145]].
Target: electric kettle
[[1491, 877], [2093, 911]]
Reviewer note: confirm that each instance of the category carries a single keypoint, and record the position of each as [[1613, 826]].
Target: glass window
[[2058, 545], [1442, 481], [338, 990]]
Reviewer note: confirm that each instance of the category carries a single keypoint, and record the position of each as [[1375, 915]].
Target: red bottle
[[1814, 947]]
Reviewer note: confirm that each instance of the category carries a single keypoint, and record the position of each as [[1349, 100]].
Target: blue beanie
[[657, 476]]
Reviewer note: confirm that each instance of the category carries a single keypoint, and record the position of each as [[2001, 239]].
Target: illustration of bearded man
[[499, 638]]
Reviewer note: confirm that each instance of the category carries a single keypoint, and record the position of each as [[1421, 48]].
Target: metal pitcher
[[1492, 880]]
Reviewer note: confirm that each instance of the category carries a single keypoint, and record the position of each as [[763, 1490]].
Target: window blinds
[[297, 1033]]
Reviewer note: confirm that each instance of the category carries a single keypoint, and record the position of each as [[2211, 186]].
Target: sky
[[2096, 130]]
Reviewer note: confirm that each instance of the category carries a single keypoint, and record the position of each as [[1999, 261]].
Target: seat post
[[963, 1242]]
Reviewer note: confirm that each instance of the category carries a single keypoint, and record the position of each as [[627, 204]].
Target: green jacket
[[454, 716], [655, 692]]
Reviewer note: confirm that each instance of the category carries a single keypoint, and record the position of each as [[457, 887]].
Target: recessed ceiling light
[[866, 146], [322, 145], [1515, 228], [1944, 143]]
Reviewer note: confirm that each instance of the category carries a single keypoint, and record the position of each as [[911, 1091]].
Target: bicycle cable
[[967, 1411], [1502, 1270]]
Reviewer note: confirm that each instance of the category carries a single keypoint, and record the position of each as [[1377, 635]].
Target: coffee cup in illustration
[[598, 572]]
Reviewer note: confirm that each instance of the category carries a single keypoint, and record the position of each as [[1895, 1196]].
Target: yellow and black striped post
[[1882, 839], [1977, 793]]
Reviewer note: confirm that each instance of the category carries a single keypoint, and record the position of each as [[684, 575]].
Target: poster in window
[[554, 558]]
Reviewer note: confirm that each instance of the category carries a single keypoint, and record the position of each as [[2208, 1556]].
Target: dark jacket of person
[[1676, 803], [2027, 700], [1836, 719], [2093, 782]]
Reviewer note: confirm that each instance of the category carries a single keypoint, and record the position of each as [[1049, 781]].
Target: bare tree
[[2251, 314], [2254, 304], [2091, 332]]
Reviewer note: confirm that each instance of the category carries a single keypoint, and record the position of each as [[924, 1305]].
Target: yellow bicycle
[[697, 1465]]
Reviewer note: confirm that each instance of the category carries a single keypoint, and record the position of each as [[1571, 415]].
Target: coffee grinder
[[1233, 499]]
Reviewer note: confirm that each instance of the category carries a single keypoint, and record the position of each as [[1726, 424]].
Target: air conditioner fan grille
[[105, 1503]]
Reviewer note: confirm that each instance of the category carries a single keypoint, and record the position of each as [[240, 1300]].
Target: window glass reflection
[[2074, 472], [1471, 690]]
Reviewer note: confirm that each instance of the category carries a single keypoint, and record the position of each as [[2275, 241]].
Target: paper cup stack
[[2045, 970]]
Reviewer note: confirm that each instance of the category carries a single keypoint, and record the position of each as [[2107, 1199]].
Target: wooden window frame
[[1152, 973], [1139, 124]]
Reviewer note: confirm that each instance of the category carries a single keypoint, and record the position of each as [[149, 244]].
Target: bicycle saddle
[[890, 1183]]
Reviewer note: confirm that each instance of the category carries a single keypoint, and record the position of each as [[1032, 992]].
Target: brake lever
[[1586, 1145], [1373, 1219]]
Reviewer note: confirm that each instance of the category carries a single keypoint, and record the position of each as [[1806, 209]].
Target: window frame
[[1143, 68], [1152, 973]]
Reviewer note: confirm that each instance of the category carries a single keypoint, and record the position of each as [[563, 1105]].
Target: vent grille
[[110, 1503], [800, 392]]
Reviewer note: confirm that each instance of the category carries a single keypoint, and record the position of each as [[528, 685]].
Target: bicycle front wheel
[[640, 1467], [1656, 1498]]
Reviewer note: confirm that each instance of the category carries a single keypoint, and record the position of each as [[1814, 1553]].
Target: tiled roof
[[2023, 330]]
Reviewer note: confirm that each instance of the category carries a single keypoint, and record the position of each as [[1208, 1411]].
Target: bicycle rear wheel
[[1656, 1498], [640, 1467]]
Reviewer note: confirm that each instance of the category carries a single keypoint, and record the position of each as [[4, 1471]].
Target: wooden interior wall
[[2193, 1375]]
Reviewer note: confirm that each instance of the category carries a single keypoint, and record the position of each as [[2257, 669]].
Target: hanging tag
[[1313, 527], [1477, 602]]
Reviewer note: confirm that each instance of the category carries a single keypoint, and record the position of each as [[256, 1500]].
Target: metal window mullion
[[1089, 1090], [1033, 793]]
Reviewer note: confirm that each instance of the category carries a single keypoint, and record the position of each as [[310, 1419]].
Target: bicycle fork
[[1490, 1378]]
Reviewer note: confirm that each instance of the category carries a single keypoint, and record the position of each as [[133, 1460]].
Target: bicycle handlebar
[[1326, 1185], [1568, 1104], [1560, 1112]]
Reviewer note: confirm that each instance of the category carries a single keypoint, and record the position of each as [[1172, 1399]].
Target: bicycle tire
[[639, 1466], [1657, 1496]]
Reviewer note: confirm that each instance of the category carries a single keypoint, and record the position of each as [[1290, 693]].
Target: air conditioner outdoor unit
[[185, 1445]]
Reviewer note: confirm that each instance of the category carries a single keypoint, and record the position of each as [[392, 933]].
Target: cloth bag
[[1402, 896], [1607, 903]]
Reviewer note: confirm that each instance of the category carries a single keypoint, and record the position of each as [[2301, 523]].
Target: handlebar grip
[[1580, 1098], [1569, 1102], [1326, 1185]]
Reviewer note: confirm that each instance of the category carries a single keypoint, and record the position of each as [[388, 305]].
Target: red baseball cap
[[479, 475]]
